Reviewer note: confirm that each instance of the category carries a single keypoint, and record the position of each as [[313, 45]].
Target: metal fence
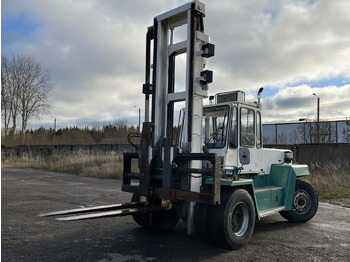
[[338, 154], [306, 131], [303, 153]]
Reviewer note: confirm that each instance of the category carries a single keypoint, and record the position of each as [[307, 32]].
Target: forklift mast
[[157, 148]]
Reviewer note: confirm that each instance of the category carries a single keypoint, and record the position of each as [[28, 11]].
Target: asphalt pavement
[[25, 236]]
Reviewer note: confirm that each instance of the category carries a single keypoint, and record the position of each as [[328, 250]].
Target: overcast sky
[[95, 52]]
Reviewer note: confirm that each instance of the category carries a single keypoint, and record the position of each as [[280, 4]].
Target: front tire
[[231, 224], [142, 219], [164, 220], [305, 203]]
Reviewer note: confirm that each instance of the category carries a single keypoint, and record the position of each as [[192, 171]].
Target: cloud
[[274, 44], [293, 103], [95, 51]]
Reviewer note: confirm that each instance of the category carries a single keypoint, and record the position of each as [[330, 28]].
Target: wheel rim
[[302, 202], [240, 219]]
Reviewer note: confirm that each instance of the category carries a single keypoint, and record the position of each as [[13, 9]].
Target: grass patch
[[332, 196], [102, 165], [331, 180]]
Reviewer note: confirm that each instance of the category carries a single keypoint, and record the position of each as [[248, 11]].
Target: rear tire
[[231, 224], [305, 203]]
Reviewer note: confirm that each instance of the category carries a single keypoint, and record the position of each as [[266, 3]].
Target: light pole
[[318, 118], [54, 127], [54, 123], [139, 127]]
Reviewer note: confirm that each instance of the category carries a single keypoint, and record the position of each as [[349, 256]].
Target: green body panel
[[269, 199], [284, 176], [231, 182], [272, 190]]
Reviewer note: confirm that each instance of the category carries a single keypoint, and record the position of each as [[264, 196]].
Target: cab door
[[231, 158], [250, 137]]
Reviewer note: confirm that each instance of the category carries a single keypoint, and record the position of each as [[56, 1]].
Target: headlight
[[229, 172], [288, 157]]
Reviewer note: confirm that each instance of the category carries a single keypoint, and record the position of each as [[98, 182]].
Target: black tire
[[231, 224], [160, 220], [283, 214], [166, 220], [201, 219], [305, 203], [142, 219]]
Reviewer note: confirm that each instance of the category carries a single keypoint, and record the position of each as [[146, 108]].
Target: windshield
[[215, 126]]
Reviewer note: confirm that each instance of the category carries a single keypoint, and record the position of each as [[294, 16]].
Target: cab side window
[[247, 127], [258, 131], [234, 129]]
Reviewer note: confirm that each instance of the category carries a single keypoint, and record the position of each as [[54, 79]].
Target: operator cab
[[231, 124]]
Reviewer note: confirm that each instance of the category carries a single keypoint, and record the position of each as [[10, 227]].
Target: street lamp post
[[318, 118], [54, 123], [54, 127], [139, 126]]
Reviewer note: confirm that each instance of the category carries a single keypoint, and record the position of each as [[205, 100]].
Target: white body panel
[[272, 156]]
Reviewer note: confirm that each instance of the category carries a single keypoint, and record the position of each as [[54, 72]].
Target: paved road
[[27, 237]]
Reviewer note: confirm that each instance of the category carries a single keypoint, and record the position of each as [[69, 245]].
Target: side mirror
[[244, 156]]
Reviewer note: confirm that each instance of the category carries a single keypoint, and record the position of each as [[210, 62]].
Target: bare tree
[[4, 97], [308, 132], [295, 138], [267, 140], [35, 89], [9, 95], [282, 138], [120, 122], [27, 90], [346, 132]]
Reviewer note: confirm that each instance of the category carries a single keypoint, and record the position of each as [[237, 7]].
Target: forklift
[[203, 164]]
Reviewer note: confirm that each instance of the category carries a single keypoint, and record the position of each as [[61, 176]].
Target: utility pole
[[139, 126], [54, 127], [318, 119]]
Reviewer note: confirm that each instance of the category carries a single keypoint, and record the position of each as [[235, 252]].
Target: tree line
[[25, 92], [107, 134]]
